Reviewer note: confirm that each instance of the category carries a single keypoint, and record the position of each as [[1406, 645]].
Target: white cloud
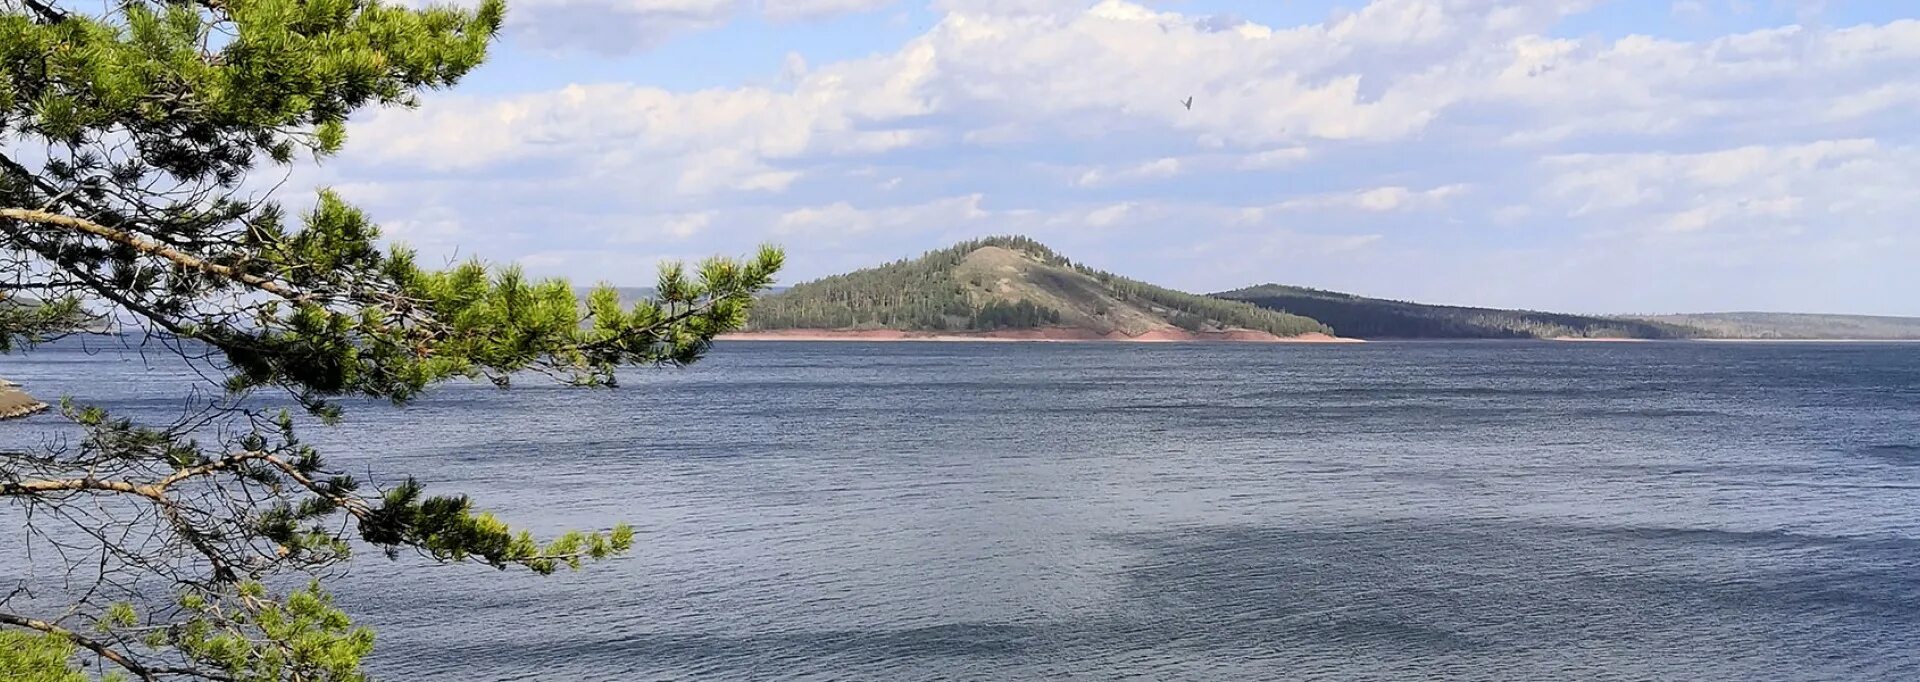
[[696, 142], [1275, 158], [1770, 79], [1150, 170], [669, 227], [1590, 183], [841, 218], [1377, 200], [1783, 202], [1118, 66], [1107, 216], [1345, 134]]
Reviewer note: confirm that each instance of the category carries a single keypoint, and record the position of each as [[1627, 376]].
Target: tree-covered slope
[[1007, 283], [1362, 317], [1795, 326]]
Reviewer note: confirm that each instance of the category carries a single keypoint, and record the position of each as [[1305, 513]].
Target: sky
[[1623, 156]]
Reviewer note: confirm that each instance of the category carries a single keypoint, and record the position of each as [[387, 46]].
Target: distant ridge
[[1375, 318], [1017, 288], [1794, 326]]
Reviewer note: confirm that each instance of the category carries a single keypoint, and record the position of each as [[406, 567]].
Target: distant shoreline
[[1065, 335], [1809, 340], [1046, 335]]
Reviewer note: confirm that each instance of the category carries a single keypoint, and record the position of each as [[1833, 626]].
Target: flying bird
[[1188, 102]]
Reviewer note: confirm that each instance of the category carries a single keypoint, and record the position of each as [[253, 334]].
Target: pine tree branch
[[652, 329], [215, 466], [104, 651], [223, 567], [86, 484], [152, 248]]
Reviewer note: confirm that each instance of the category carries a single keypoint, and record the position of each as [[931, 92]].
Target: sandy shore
[[1052, 334], [15, 402], [1583, 339]]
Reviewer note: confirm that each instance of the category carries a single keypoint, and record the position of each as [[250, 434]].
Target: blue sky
[[1579, 155]]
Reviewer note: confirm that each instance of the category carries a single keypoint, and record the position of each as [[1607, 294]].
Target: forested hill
[[1373, 318], [1796, 326], [1006, 283]]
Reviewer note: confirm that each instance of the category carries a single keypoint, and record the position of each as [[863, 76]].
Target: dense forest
[[965, 288], [1362, 317]]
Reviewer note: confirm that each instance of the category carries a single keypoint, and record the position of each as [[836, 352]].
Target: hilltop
[[1011, 287], [1374, 318], [1794, 326]]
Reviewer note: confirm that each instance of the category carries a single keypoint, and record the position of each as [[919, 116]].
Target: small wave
[[1897, 453]]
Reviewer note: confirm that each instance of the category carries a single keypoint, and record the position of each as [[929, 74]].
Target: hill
[[1014, 286], [1794, 326], [1371, 318]]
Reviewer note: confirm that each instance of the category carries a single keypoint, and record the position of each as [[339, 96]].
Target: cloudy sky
[[1579, 155]]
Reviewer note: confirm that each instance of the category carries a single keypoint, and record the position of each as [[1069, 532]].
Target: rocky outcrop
[[15, 402]]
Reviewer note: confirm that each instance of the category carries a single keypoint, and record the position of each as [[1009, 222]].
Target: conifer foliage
[[135, 136]]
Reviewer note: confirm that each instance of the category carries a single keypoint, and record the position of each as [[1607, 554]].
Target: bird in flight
[[1188, 102]]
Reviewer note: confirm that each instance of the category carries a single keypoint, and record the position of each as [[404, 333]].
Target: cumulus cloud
[[1752, 190], [1401, 125], [1376, 200], [843, 219], [1157, 168]]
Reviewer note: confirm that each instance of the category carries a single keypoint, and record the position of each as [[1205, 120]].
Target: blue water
[[1394, 511]]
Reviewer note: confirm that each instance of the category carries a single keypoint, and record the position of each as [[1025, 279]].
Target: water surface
[[1394, 511]]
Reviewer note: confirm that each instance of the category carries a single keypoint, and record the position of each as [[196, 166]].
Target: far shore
[[1066, 335], [1049, 335], [1810, 340]]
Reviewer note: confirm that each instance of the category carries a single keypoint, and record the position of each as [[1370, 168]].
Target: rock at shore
[[15, 402]]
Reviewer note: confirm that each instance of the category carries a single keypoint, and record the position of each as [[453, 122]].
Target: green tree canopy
[[135, 135]]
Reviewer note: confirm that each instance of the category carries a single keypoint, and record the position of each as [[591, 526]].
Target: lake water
[[1392, 511]]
